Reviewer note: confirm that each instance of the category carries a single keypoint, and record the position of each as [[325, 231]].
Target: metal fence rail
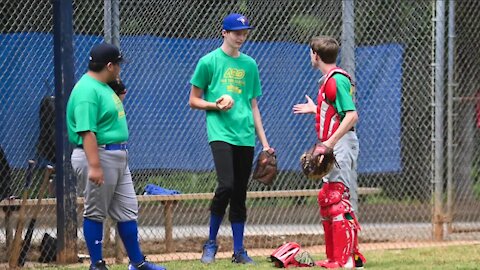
[[393, 48]]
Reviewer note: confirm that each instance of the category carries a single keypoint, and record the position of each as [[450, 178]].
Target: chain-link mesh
[[163, 40], [27, 119], [466, 120], [169, 47]]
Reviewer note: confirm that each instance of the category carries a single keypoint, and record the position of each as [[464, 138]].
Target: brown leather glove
[[266, 167], [318, 161]]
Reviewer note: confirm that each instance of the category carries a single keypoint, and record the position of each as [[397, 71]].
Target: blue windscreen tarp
[[166, 134]]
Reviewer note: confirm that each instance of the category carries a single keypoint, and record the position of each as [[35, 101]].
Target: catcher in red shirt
[[336, 116]]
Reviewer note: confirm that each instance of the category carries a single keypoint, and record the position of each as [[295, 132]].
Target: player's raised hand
[[303, 108]]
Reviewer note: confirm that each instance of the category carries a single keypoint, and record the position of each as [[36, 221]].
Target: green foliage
[[18, 182], [282, 202], [476, 181], [385, 199], [476, 190], [185, 182], [243, 6], [306, 26], [306, 22]]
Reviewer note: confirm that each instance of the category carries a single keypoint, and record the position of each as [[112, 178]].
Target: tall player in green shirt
[[97, 126], [231, 128]]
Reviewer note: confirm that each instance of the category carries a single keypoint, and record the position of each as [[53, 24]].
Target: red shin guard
[[328, 234], [341, 240]]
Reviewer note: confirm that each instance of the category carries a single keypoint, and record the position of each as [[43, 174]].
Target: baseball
[[226, 99]]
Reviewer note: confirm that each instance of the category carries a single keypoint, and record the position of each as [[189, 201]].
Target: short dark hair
[[326, 48], [96, 67]]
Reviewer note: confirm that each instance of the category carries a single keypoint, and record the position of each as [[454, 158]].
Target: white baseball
[[226, 99]]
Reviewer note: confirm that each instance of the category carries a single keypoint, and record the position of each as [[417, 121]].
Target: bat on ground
[[15, 250], [31, 226]]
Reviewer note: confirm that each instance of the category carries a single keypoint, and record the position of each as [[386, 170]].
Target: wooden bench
[[169, 200]]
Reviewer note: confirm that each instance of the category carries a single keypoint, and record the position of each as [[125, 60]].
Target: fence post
[[65, 184], [450, 88], [112, 22], [438, 218], [348, 37]]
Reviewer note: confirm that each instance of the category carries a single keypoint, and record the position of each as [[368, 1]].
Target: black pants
[[233, 165]]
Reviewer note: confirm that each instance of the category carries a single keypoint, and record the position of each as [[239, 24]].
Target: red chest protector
[[327, 118]]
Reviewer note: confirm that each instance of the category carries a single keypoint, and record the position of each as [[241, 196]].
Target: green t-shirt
[[344, 95], [94, 106], [218, 73]]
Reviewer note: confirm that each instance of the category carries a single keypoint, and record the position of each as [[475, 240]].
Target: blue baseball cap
[[235, 22]]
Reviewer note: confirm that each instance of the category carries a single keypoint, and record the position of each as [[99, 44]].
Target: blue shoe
[[241, 256], [209, 251], [145, 265], [100, 265]]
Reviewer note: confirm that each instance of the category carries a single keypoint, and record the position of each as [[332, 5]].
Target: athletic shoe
[[209, 251]]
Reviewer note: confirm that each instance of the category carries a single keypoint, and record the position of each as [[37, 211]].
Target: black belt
[[113, 146]]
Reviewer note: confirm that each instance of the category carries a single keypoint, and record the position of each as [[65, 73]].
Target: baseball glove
[[118, 87], [318, 161], [265, 170]]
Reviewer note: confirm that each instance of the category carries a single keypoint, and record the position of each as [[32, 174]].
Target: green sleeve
[[344, 99], [201, 77], [257, 86], [85, 117]]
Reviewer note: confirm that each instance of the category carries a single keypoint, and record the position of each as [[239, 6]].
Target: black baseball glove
[[118, 87]]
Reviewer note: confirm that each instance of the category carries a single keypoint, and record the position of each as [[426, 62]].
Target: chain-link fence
[[395, 60], [465, 92]]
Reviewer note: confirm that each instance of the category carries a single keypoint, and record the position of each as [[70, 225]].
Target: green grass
[[459, 257], [442, 258]]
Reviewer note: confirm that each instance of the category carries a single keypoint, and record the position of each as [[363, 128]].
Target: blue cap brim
[[239, 28]]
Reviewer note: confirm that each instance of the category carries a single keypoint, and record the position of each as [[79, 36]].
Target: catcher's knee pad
[[330, 193], [333, 200]]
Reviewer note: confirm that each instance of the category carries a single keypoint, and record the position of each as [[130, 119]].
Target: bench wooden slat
[[250, 194], [201, 196]]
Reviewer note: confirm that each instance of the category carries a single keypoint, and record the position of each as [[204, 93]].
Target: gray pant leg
[[124, 205], [346, 153], [97, 198], [116, 197]]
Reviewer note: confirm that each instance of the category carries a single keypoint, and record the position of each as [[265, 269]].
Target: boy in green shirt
[[231, 127], [97, 125]]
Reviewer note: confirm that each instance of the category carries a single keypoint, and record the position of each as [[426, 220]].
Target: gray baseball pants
[[346, 153], [116, 197]]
